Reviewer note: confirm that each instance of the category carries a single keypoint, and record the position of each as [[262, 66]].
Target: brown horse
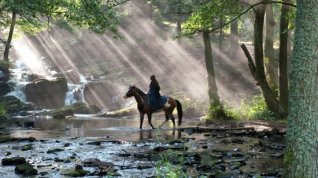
[[144, 106]]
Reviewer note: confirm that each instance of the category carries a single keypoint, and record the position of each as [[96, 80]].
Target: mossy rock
[[27, 147], [55, 150], [78, 171], [83, 108], [5, 139], [25, 169], [13, 161], [62, 113]]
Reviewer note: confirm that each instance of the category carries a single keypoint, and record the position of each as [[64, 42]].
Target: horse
[[144, 107]]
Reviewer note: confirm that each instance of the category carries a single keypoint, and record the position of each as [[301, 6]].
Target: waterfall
[[21, 75], [18, 80]]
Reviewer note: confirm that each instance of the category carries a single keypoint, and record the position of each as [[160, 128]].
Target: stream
[[116, 147]]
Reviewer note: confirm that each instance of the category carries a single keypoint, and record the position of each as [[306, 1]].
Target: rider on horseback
[[156, 101]]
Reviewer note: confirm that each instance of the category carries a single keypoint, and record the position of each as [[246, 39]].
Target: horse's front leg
[[149, 121], [141, 119], [167, 119]]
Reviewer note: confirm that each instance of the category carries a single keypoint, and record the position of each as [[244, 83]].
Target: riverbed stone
[[13, 161], [25, 169], [55, 150]]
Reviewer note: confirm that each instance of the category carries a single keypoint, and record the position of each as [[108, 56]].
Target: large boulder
[[47, 93], [13, 104]]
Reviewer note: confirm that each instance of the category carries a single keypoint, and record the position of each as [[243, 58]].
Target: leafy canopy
[[206, 15], [33, 15]]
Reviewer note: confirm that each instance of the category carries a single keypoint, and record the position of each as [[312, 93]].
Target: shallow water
[[126, 129], [122, 135]]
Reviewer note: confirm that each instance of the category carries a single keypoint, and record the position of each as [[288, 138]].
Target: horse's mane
[[140, 91]]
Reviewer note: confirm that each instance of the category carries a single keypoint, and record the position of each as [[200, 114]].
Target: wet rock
[[47, 93], [232, 160], [83, 108], [27, 147], [12, 104], [105, 168], [96, 143], [94, 162], [54, 150], [25, 169], [142, 156], [58, 160], [13, 161], [237, 140], [160, 149], [172, 142], [78, 171], [67, 144], [5, 88], [5, 139], [145, 166], [225, 141], [62, 113]]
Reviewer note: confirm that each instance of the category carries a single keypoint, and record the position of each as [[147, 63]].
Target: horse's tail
[[180, 112]]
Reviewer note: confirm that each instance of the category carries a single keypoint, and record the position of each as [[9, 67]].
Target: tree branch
[[246, 10]]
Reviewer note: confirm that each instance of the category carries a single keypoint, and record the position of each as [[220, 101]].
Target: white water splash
[[75, 92]]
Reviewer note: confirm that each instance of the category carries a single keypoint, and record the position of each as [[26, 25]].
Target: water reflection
[[122, 129]]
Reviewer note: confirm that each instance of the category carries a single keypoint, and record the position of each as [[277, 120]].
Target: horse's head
[[131, 92]]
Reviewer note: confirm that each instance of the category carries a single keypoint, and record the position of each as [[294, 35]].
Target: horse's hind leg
[[141, 120], [149, 121], [173, 120]]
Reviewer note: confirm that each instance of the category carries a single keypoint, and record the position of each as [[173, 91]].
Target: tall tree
[[269, 47], [203, 19], [283, 56], [301, 157], [257, 69], [212, 90]]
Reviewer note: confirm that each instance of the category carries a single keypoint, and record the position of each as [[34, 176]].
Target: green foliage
[[256, 109], [35, 15], [164, 168], [206, 15], [216, 112]]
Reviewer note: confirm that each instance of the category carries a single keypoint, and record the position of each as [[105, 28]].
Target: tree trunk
[[179, 30], [234, 37], [221, 39], [258, 70], [301, 157], [258, 41], [269, 48], [213, 91], [283, 56], [8, 42]]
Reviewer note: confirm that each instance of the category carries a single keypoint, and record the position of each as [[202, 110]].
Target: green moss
[[26, 169], [77, 173], [5, 139]]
